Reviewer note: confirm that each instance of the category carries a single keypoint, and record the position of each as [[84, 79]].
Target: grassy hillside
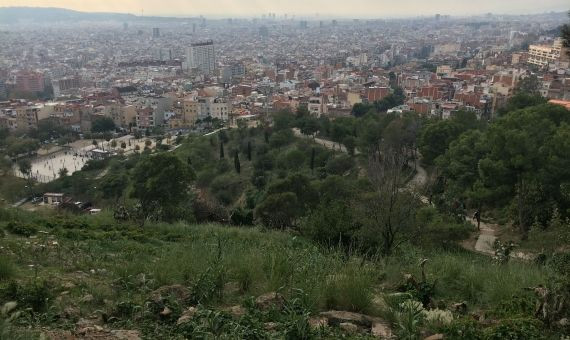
[[72, 274]]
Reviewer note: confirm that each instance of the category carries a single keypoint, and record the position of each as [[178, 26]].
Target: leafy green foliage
[[102, 124], [22, 228], [161, 183], [7, 269]]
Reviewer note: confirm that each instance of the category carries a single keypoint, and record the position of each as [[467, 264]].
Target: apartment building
[[542, 55]]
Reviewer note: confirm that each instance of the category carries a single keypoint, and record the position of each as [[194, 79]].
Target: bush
[[463, 329], [560, 262], [515, 329], [242, 216], [330, 224], [22, 229], [7, 269], [349, 290], [34, 294], [226, 188], [95, 164], [339, 165]]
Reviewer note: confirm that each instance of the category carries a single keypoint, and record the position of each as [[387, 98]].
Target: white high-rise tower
[[201, 56]]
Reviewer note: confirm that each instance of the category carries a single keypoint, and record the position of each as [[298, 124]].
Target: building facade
[[201, 56]]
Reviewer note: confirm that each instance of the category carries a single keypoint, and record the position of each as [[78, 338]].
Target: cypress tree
[[237, 165], [221, 150], [249, 150], [312, 159]]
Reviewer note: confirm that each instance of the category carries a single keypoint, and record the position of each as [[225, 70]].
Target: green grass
[[463, 276], [120, 265]]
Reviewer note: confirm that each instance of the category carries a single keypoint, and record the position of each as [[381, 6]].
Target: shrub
[[7, 269], [22, 229], [560, 262], [515, 329], [349, 290], [339, 165], [242, 216], [462, 329], [226, 188], [34, 294]]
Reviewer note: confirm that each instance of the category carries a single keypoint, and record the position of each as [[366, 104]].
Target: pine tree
[[237, 165], [221, 150]]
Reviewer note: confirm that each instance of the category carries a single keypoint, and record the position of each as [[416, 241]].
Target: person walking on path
[[477, 217]]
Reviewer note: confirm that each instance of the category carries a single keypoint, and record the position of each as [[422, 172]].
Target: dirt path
[[326, 143], [486, 238]]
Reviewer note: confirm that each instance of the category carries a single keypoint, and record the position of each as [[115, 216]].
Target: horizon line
[[294, 16]]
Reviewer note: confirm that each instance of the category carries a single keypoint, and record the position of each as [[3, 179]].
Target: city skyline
[[298, 8]]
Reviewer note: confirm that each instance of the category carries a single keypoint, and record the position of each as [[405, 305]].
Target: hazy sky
[[339, 8]]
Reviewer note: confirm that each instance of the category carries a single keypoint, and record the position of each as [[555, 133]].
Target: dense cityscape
[[282, 176]]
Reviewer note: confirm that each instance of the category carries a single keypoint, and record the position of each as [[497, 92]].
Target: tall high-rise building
[[156, 32], [30, 81], [201, 56]]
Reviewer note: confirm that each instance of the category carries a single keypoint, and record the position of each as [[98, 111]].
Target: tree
[[309, 125], [437, 135], [123, 145], [94, 143], [113, 185], [25, 167], [514, 165], [63, 172], [221, 149], [521, 100], [281, 138], [292, 160], [278, 210], [102, 124], [339, 165], [266, 135], [249, 150], [283, 120], [161, 185], [565, 34], [331, 224], [529, 85], [113, 143], [237, 165], [349, 143], [360, 109], [388, 212], [223, 136]]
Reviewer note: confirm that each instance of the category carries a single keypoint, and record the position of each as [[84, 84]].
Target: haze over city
[[285, 169], [301, 8]]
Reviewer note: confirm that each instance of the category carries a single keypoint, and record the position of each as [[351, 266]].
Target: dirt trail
[[326, 143], [486, 238]]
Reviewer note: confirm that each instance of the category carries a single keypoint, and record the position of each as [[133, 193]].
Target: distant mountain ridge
[[13, 15]]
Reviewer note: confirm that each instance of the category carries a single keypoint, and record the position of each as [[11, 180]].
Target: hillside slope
[[85, 276]]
